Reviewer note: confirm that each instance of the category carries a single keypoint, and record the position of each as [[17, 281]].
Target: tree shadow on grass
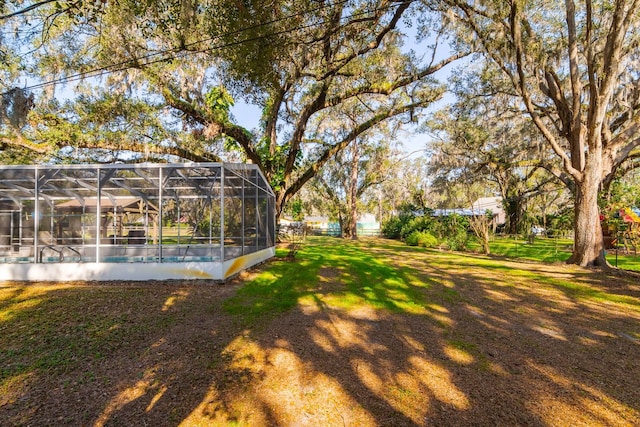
[[347, 334], [112, 354], [507, 350]]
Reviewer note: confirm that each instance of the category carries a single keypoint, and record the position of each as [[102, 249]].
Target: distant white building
[[368, 220], [494, 204], [317, 221], [477, 208]]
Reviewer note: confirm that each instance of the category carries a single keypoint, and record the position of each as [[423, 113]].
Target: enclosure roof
[[81, 182]]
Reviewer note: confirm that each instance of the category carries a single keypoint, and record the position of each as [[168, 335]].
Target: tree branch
[[334, 149], [27, 9]]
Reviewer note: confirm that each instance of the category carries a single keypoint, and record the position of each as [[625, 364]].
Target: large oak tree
[[574, 66], [299, 62]]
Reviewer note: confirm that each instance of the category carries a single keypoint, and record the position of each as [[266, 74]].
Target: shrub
[[453, 231], [427, 239], [412, 239], [422, 238], [429, 231], [420, 223], [457, 241], [392, 227]]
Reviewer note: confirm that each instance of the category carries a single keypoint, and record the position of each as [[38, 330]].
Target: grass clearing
[[550, 250], [624, 261], [539, 249], [368, 333]]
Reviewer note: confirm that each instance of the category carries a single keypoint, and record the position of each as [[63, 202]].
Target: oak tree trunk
[[588, 247], [514, 207], [353, 190]]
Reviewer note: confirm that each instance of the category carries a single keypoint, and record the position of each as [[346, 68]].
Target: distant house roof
[[494, 204], [459, 211], [479, 207]]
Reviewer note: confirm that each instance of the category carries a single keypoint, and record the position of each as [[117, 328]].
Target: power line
[[26, 9], [171, 54]]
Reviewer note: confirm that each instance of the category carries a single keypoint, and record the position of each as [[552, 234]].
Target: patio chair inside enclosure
[[134, 222]]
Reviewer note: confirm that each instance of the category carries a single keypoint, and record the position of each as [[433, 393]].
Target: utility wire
[[26, 9], [171, 54]]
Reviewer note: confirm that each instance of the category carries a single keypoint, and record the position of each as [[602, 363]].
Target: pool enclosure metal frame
[[133, 221]]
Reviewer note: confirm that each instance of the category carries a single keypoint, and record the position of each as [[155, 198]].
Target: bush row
[[428, 231]]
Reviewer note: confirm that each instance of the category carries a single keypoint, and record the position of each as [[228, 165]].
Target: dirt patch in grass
[[368, 333]]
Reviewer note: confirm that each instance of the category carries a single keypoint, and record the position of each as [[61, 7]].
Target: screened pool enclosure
[[133, 222]]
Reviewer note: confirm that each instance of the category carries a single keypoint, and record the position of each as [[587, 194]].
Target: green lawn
[[370, 332], [370, 279], [542, 249], [367, 280], [625, 261], [549, 250]]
